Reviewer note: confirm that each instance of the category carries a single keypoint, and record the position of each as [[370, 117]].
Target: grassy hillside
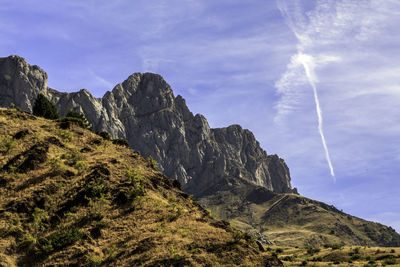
[[69, 197], [293, 220], [338, 256]]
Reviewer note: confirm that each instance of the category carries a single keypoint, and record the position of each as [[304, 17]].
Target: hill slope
[[290, 219], [70, 197]]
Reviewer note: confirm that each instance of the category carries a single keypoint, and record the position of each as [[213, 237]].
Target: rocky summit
[[144, 110]]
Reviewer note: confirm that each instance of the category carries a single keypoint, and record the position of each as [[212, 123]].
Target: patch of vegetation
[[151, 162], [66, 135], [75, 117], [120, 142], [81, 165], [312, 250], [96, 190], [390, 261], [44, 108], [56, 164], [72, 157], [133, 190], [62, 238], [26, 242], [7, 143], [104, 135], [287, 258], [40, 218]]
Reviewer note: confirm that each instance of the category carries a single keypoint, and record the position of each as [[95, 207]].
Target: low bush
[[287, 258], [7, 144], [151, 162], [58, 240], [391, 261], [72, 157], [81, 165], [121, 142], [311, 250], [104, 135], [75, 117], [66, 135]]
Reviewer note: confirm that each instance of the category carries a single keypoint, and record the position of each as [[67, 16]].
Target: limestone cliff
[[144, 110]]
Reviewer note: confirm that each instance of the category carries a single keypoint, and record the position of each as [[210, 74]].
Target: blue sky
[[254, 63]]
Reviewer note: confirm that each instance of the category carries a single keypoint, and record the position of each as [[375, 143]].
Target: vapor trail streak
[[310, 77]]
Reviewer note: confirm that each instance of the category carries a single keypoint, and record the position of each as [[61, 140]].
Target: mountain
[[224, 168], [68, 197], [144, 110]]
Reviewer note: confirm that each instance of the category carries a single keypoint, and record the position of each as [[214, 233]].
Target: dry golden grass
[[70, 198], [341, 256], [294, 220]]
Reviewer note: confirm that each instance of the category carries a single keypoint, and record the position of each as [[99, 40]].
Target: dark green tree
[[73, 115], [44, 108]]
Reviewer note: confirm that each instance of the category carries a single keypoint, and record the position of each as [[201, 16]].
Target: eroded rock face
[[144, 110]]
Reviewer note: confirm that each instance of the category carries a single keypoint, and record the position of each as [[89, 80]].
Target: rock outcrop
[[144, 110]]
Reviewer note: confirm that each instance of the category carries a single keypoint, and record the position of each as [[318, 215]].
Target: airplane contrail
[[308, 63]]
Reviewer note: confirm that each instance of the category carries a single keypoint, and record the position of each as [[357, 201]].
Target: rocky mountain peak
[[144, 110]]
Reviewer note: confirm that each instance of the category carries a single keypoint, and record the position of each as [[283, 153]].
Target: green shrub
[[66, 135], [136, 189], [72, 157], [151, 162], [390, 261], [7, 144], [104, 135], [121, 142], [26, 242], [355, 257], [287, 258], [94, 260], [58, 240], [44, 108], [370, 264], [96, 190], [40, 217], [56, 164], [77, 117], [81, 165], [311, 250]]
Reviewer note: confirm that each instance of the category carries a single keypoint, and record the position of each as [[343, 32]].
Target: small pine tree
[[44, 108], [78, 116]]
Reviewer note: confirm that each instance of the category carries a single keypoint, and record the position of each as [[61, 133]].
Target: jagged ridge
[[144, 110]]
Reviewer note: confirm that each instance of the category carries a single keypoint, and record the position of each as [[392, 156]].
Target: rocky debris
[[144, 110]]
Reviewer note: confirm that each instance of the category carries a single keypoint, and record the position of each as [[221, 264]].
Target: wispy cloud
[[351, 56]]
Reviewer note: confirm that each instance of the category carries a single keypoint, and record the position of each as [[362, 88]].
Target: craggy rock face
[[144, 110], [20, 83]]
